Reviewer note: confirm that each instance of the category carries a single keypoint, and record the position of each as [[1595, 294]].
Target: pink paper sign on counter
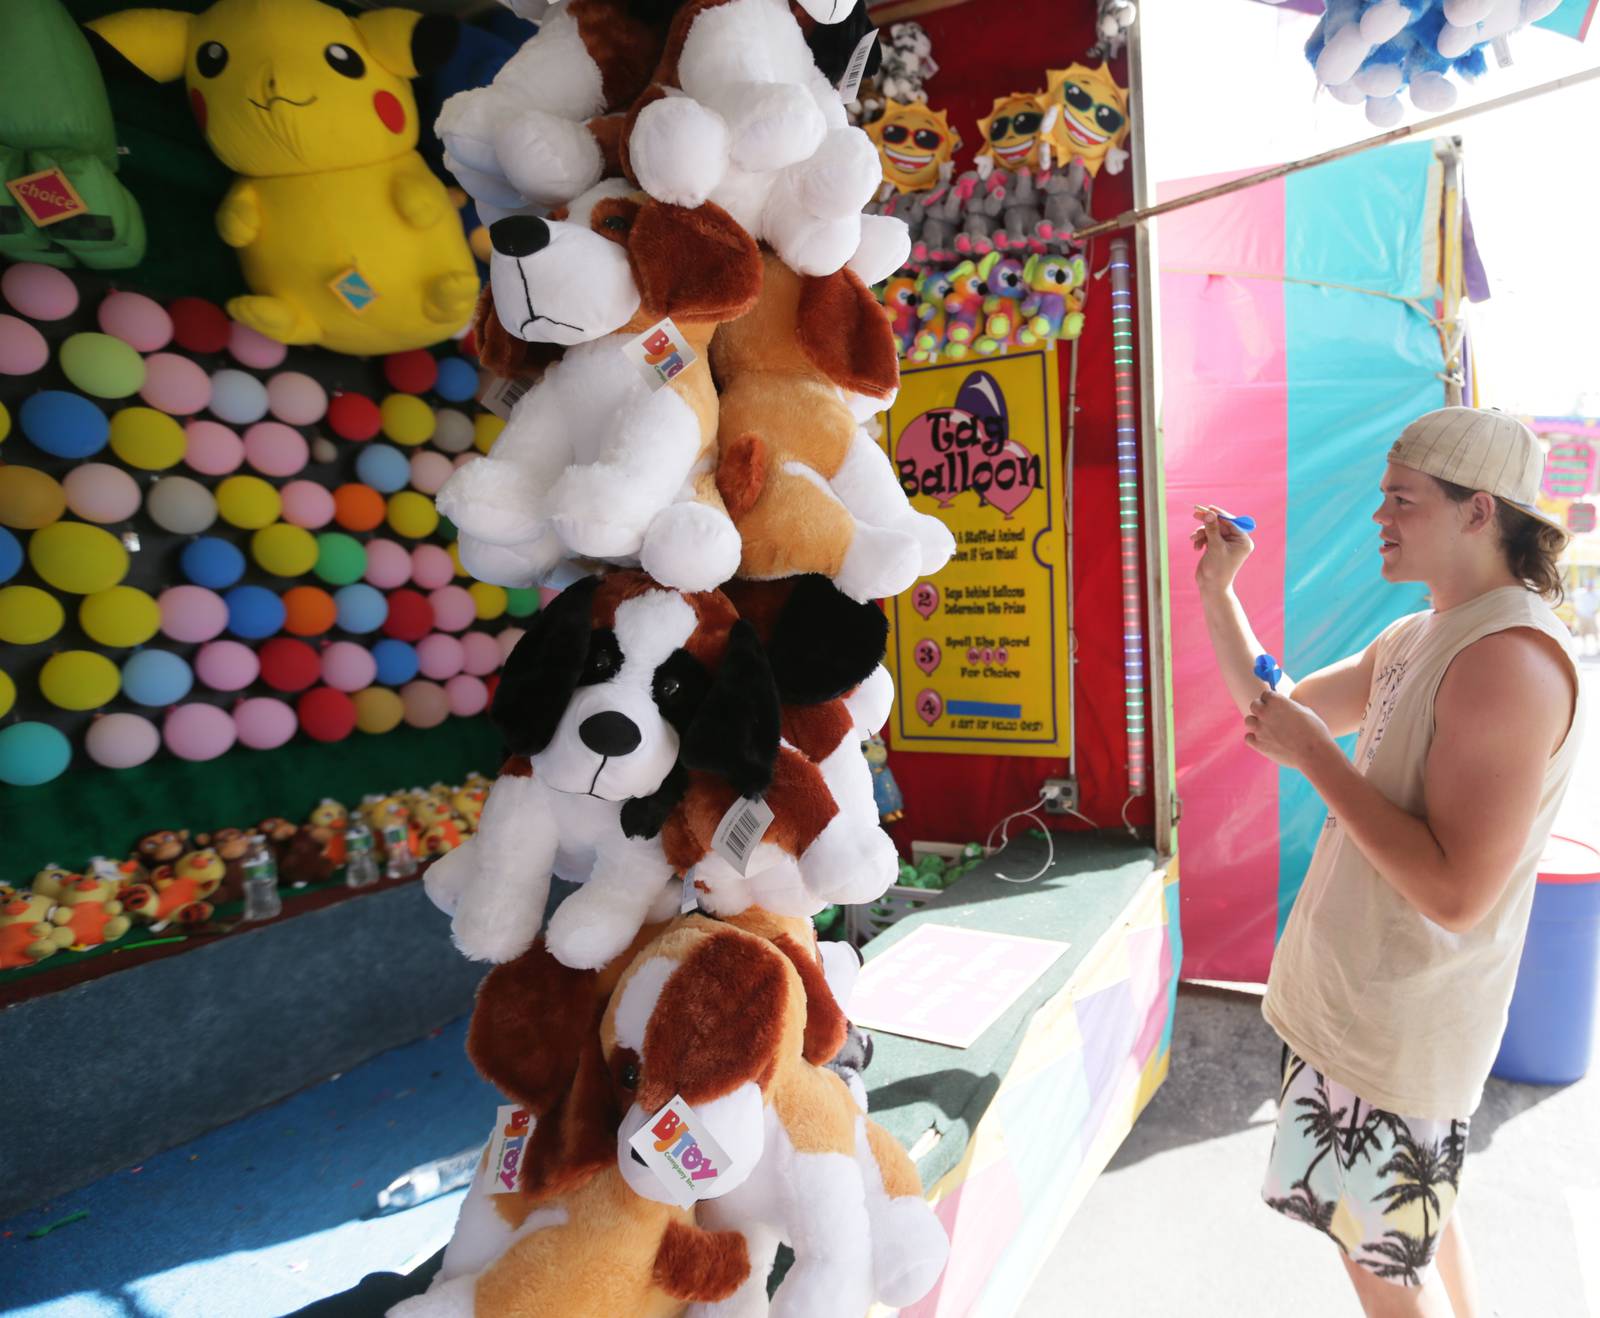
[[948, 985]]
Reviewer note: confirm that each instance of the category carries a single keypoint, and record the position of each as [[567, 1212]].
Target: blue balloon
[[253, 612], [64, 425], [10, 555], [397, 662], [32, 753], [212, 563], [384, 468], [458, 380], [362, 608], [156, 678]]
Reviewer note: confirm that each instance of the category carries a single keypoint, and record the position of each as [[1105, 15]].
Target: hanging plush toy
[[62, 203], [1111, 28], [915, 144], [1091, 122], [1014, 131], [885, 790], [345, 237], [907, 65]]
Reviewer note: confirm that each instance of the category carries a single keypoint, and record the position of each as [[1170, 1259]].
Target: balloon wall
[[210, 541]]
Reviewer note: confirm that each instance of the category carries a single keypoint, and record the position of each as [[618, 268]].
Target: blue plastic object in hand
[[1268, 671], [1244, 521]]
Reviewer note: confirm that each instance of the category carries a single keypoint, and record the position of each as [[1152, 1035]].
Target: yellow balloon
[[8, 693], [284, 550], [406, 419], [378, 709], [119, 617], [486, 428], [29, 498], [412, 514], [490, 600], [5, 421], [77, 558], [248, 502], [145, 438], [79, 679], [455, 558], [28, 615]]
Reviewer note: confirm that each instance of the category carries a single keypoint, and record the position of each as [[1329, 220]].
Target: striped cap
[[1481, 450]]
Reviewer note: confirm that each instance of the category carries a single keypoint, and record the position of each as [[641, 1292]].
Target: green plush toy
[[62, 203]]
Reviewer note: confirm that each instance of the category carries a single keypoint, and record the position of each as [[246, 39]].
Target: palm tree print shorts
[[1381, 1186]]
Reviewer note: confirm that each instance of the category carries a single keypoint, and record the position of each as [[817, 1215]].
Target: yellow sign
[[979, 651]]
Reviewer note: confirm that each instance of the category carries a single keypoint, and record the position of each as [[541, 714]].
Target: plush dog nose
[[609, 733], [519, 235]]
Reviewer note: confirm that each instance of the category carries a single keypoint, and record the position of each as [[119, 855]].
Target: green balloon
[[521, 602], [102, 365], [341, 559]]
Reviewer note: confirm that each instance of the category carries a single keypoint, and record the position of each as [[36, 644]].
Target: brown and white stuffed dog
[[808, 490], [596, 461]]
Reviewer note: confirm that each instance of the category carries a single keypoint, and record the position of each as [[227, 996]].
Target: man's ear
[[154, 41]]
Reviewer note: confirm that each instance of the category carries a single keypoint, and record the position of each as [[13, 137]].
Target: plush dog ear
[[735, 733], [826, 1026], [500, 351], [694, 264], [644, 816], [847, 335], [529, 1026], [832, 44], [542, 673], [820, 642]]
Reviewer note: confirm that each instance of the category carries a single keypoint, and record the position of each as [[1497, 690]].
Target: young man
[[1391, 983]]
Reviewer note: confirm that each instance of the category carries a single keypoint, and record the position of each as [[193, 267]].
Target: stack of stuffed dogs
[[679, 307]]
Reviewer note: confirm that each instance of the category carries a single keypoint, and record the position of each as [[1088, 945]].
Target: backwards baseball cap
[[1480, 450]]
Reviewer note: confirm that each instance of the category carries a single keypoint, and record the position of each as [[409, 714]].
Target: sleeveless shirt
[[1365, 987]]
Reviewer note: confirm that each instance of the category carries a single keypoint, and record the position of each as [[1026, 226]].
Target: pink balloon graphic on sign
[[930, 704], [972, 654], [1016, 462], [928, 654], [1002, 654], [925, 599], [916, 447]]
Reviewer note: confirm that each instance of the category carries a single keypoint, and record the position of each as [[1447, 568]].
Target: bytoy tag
[[856, 69], [741, 828], [47, 197], [512, 1127], [660, 353], [677, 1147], [1502, 52], [502, 395]]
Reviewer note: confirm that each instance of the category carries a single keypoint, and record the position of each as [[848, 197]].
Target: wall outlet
[[1060, 795]]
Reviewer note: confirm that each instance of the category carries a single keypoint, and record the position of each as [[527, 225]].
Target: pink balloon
[[263, 724], [192, 613], [431, 567], [461, 459], [175, 385], [226, 665], [275, 449], [439, 656], [480, 654], [296, 398], [213, 449], [140, 322], [1014, 477], [99, 492], [198, 732], [347, 666], [39, 292], [307, 504], [467, 695], [507, 641], [429, 471], [425, 703], [388, 564], [120, 741], [453, 609], [23, 350], [251, 349]]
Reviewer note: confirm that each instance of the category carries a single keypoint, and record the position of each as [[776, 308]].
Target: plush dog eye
[[211, 59], [630, 1076], [604, 659], [616, 223], [342, 60]]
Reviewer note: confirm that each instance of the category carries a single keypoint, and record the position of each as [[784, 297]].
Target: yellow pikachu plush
[[345, 236]]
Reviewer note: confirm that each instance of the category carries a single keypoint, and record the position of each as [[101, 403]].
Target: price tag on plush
[[503, 394], [513, 1125], [660, 353], [856, 69], [744, 825], [676, 1146]]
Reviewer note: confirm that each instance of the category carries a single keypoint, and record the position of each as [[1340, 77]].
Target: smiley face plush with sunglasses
[[1092, 123], [1013, 131], [914, 143]]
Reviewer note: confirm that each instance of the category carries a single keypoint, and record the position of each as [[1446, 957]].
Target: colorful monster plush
[[914, 143], [1092, 123], [345, 237], [963, 310], [87, 905], [177, 891], [62, 203], [900, 299], [933, 287], [28, 934], [1048, 307], [1002, 303], [1013, 131]]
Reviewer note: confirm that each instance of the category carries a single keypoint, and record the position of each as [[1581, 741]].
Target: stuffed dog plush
[[596, 462], [808, 490]]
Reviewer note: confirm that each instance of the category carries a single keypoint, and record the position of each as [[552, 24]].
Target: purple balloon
[[198, 732]]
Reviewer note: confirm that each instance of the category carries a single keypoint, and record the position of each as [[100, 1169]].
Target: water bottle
[[430, 1180], [361, 866], [398, 860], [261, 900]]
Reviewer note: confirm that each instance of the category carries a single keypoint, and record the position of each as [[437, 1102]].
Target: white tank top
[[1365, 987]]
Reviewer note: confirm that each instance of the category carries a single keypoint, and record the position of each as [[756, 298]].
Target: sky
[[1532, 174]]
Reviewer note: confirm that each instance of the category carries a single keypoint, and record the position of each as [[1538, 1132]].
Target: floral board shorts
[[1381, 1186]]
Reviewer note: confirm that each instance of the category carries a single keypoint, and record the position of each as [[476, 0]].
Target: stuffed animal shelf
[[345, 237]]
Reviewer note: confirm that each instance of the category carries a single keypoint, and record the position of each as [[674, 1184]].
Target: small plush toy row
[[984, 307]]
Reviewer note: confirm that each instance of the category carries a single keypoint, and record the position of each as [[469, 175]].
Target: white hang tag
[[678, 1148], [741, 828], [688, 899], [502, 395], [1502, 52], [512, 1127], [660, 353], [854, 71]]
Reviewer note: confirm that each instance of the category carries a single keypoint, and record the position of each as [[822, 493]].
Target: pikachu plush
[[346, 238]]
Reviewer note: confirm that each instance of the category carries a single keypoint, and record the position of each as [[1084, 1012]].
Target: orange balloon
[[308, 611], [358, 507]]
